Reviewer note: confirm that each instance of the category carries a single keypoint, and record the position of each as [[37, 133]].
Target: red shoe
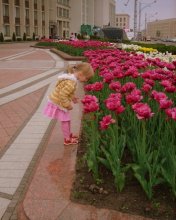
[[70, 141], [74, 136]]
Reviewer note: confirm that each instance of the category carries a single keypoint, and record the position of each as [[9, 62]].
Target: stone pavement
[[36, 170]]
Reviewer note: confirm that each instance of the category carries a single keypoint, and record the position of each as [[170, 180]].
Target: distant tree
[[1, 37], [33, 36], [14, 37], [24, 36]]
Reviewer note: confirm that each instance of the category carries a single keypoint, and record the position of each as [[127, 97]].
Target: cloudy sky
[[162, 9]]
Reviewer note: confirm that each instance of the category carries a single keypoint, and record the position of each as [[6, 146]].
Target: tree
[[14, 36], [1, 37], [24, 36], [33, 37]]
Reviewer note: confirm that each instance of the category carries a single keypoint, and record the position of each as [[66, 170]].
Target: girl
[[61, 98]]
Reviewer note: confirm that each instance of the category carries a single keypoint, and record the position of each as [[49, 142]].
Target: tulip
[[143, 111], [106, 121]]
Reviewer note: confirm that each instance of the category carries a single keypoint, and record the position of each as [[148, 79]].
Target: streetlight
[[142, 8]]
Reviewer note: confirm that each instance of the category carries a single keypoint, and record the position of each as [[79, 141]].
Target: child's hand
[[70, 107], [75, 100]]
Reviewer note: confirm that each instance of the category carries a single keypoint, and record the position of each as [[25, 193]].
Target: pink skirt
[[53, 111]]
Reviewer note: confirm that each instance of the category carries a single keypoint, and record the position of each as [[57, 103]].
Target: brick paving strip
[[16, 160], [22, 154]]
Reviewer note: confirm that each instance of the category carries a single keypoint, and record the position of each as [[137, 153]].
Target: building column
[[22, 18], [12, 17], [1, 17]]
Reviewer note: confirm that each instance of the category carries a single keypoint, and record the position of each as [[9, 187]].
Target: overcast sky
[[162, 9]]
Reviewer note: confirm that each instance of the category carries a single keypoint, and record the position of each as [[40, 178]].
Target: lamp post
[[142, 8]]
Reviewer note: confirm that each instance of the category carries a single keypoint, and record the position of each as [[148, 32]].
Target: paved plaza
[[36, 170]]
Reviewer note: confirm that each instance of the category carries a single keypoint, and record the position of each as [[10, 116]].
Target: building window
[[120, 19], [17, 30], [60, 12], [124, 19], [35, 15], [17, 12], [27, 13], [36, 30], [65, 13], [43, 31], [116, 19], [35, 4], [43, 16], [5, 10], [27, 31], [5, 1], [7, 30], [68, 25], [27, 3], [17, 2]]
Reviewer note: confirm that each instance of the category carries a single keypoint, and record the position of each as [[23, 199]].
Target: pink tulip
[[158, 95], [143, 111], [171, 113], [106, 121], [134, 96], [115, 86], [165, 103], [146, 87], [128, 87]]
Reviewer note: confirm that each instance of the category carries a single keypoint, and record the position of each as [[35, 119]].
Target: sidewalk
[[48, 195]]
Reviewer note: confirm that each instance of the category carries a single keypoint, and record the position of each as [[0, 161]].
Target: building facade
[[122, 21], [61, 15], [34, 18], [92, 12], [21, 17], [38, 18], [162, 28]]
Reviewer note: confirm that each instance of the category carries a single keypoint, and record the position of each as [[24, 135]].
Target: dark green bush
[[1, 37], [24, 36], [14, 37]]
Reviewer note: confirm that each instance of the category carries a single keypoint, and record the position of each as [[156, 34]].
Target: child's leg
[[65, 125]]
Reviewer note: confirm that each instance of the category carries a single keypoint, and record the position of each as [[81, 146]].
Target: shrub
[[33, 36], [14, 37], [1, 37], [24, 36]]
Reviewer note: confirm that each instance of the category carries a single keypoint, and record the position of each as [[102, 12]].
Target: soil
[[131, 200]]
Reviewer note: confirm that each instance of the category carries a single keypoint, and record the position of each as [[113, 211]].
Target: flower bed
[[132, 106], [75, 48]]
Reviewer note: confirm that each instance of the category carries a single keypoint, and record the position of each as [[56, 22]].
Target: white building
[[122, 21], [92, 12]]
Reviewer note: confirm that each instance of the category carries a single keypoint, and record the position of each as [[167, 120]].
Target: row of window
[[62, 12], [18, 31], [120, 19], [121, 24], [63, 2]]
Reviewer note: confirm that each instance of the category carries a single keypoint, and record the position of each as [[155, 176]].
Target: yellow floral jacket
[[64, 90]]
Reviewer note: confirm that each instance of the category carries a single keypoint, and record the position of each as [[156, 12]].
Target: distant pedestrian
[[63, 95], [72, 37]]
